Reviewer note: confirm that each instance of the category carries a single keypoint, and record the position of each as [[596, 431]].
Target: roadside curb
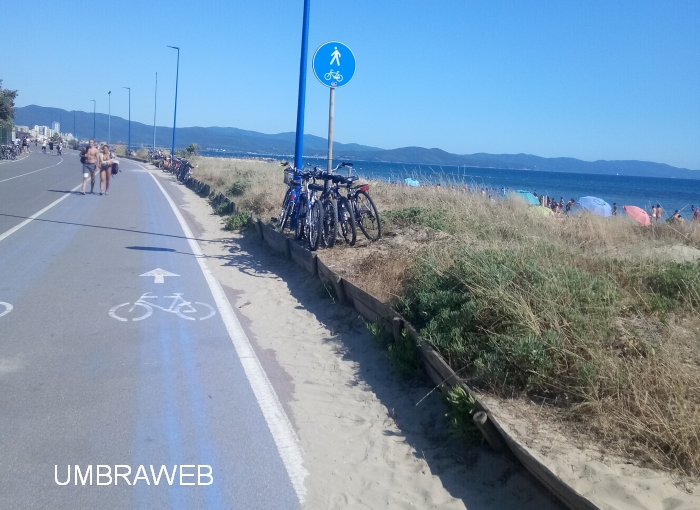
[[440, 373]]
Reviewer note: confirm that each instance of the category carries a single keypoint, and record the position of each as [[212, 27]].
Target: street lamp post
[[299, 141], [177, 76], [128, 144], [94, 106], [75, 133], [155, 107], [109, 119]]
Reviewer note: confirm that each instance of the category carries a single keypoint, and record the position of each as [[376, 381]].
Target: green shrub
[[678, 282], [516, 318], [238, 188], [460, 415], [238, 220], [403, 354], [222, 208], [433, 218]]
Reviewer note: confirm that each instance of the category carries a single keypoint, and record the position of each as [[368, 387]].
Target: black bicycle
[[363, 209], [337, 207], [309, 224]]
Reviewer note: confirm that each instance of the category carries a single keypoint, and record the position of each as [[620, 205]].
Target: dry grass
[[596, 318]]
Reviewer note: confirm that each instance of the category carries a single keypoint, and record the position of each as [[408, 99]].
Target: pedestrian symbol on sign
[[330, 68], [336, 56]]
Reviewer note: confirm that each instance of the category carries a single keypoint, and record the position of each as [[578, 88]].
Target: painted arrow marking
[[159, 275]]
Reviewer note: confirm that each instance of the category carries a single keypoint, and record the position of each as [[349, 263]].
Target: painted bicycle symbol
[[142, 309], [5, 307], [334, 75]]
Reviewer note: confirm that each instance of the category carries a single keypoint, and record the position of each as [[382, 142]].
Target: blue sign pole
[[299, 142]]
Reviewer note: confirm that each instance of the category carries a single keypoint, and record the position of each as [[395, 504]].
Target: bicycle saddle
[[340, 179], [316, 187]]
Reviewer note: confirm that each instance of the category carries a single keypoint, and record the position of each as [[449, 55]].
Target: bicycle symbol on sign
[[335, 75], [142, 309], [5, 307]]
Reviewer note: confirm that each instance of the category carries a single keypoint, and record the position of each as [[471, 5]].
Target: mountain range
[[241, 140]]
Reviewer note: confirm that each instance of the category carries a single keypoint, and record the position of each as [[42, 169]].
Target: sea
[[671, 194]]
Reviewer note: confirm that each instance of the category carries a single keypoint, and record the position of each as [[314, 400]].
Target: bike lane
[[81, 387], [31, 184]]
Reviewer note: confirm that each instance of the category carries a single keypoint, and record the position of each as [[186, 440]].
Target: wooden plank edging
[[303, 257], [276, 240]]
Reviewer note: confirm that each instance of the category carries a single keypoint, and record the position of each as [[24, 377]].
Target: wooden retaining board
[[276, 240], [305, 258], [327, 276]]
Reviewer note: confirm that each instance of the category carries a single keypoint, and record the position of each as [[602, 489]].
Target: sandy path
[[366, 444]]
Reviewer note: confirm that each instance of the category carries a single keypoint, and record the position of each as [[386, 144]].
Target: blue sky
[[587, 79]]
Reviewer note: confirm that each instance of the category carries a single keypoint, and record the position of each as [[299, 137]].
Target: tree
[[193, 149], [7, 104], [56, 138]]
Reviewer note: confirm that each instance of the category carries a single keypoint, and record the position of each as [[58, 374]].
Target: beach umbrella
[[411, 182], [637, 214], [544, 211], [596, 206], [531, 199]]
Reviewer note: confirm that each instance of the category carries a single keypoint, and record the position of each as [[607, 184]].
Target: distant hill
[[228, 138], [240, 140]]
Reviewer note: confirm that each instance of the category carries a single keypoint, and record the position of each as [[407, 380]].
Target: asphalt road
[[89, 378]]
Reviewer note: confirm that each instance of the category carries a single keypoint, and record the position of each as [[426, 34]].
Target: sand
[[366, 444], [609, 481]]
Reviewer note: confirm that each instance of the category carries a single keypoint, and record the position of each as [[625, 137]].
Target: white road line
[[280, 427], [32, 172], [36, 214]]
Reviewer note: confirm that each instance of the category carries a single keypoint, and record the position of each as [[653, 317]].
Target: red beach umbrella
[[637, 214]]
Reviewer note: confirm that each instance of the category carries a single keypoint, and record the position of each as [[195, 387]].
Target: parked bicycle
[[302, 209]]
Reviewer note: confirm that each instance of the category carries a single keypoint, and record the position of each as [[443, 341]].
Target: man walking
[[89, 166]]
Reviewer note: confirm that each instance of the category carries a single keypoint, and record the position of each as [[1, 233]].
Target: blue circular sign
[[334, 64]]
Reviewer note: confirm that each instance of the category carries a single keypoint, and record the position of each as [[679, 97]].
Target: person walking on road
[[105, 161], [51, 147], [89, 160]]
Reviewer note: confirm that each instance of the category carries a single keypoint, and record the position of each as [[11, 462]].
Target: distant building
[[56, 126], [22, 129]]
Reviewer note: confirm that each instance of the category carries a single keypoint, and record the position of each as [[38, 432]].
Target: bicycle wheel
[[187, 307], [315, 226], [346, 221], [130, 313], [330, 222], [367, 216], [300, 228], [285, 214]]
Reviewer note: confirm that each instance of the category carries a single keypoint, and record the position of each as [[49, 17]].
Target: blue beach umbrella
[[411, 182], [596, 206], [531, 199]]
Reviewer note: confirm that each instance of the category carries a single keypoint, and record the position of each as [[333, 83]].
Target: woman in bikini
[[105, 163]]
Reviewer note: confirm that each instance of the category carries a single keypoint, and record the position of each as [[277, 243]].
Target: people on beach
[[614, 211], [659, 213], [696, 215], [653, 213], [569, 205], [106, 161], [89, 159], [676, 218]]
